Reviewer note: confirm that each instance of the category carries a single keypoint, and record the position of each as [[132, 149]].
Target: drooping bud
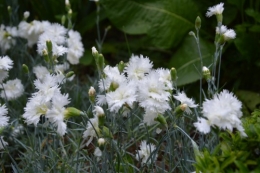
[[69, 74], [72, 112], [198, 23], [173, 74], [161, 119]]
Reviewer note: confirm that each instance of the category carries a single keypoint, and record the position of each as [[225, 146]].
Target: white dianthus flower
[[92, 130], [3, 75], [75, 47], [56, 114], [7, 35], [3, 118], [138, 67], [229, 34], [182, 97], [40, 72], [224, 111], [165, 77], [215, 10], [149, 117], [152, 94], [98, 111], [5, 63], [202, 125], [12, 89], [146, 152], [124, 94]]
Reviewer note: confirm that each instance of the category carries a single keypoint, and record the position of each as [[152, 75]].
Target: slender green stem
[[201, 63], [219, 65]]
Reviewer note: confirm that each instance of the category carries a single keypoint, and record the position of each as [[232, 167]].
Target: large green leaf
[[187, 61], [165, 22]]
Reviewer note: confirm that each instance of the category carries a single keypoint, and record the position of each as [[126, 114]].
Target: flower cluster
[[138, 83], [63, 40]]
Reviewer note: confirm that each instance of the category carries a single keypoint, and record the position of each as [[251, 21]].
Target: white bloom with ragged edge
[[75, 47], [202, 125], [215, 10], [182, 97], [165, 77], [229, 34], [35, 108], [145, 153], [224, 111], [7, 35], [56, 114], [2, 143], [152, 94], [138, 67], [92, 130], [149, 117], [3, 118], [124, 94], [113, 77], [40, 72], [12, 89], [221, 30], [98, 111], [6, 63]]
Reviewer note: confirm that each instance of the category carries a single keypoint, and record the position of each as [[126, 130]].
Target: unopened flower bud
[[198, 23], [69, 74], [100, 114], [173, 74], [206, 73], [25, 69], [183, 106], [92, 94], [192, 33], [101, 143], [63, 19], [72, 112], [67, 2], [121, 66], [161, 119], [94, 51], [9, 9], [26, 14], [45, 55], [70, 12], [180, 109]]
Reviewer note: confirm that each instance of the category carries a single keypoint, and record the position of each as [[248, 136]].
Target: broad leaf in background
[[187, 61], [165, 22]]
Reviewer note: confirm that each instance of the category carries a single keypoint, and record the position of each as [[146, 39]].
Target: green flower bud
[[206, 73], [106, 132], [173, 74], [92, 94], [101, 143], [121, 66], [49, 46], [72, 112], [25, 69], [198, 23], [69, 74], [161, 119]]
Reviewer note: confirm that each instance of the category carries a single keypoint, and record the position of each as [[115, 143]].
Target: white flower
[[5, 63], [75, 47], [3, 118], [12, 89], [92, 130], [35, 107], [56, 114], [2, 143], [26, 14], [124, 94], [165, 77], [152, 94], [40, 72], [224, 111], [202, 125], [215, 10], [138, 67], [229, 34], [97, 152], [181, 96], [113, 77], [146, 152], [94, 50], [7, 35], [149, 117], [98, 111]]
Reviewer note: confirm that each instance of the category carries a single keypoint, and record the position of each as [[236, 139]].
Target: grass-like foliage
[[130, 117]]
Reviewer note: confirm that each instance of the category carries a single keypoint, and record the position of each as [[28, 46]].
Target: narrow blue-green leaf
[[187, 61], [165, 22]]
